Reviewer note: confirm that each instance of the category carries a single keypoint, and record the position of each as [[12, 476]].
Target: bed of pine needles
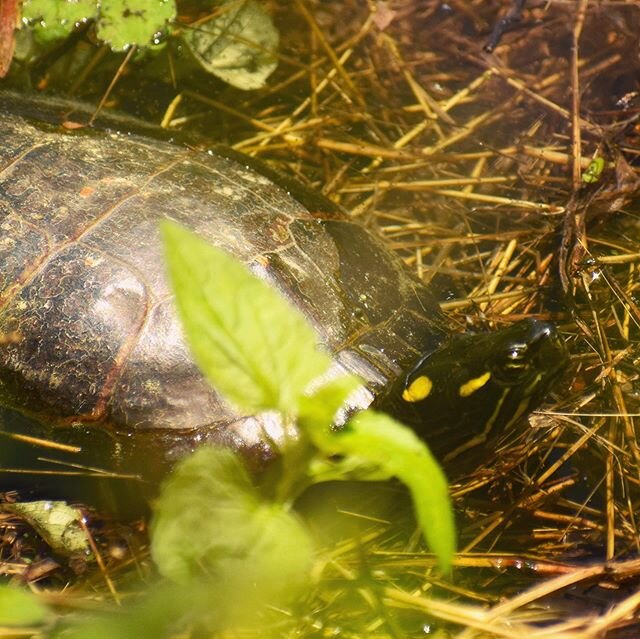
[[462, 133]]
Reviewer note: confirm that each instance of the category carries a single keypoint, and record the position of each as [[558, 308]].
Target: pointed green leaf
[[210, 521], [318, 410], [252, 345], [396, 449], [20, 608]]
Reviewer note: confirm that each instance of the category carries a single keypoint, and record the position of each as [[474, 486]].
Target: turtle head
[[477, 386]]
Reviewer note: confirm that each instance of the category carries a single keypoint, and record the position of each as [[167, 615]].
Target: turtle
[[100, 357]]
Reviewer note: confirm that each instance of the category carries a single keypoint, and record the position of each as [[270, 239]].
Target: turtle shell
[[83, 281]]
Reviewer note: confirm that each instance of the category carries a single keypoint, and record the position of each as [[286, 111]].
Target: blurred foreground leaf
[[210, 521], [262, 354], [397, 450], [8, 18], [20, 608], [252, 345]]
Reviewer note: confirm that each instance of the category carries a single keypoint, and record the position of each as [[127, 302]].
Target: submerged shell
[[83, 281]]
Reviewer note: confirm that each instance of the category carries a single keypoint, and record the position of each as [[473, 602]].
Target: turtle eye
[[513, 364], [515, 357]]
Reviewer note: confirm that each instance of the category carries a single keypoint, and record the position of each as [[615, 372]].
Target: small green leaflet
[[593, 172], [318, 410], [210, 520], [252, 345], [20, 608], [237, 44], [396, 449]]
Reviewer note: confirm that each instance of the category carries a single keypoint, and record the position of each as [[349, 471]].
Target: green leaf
[[318, 410], [206, 503], [159, 612], [20, 608], [53, 20], [593, 172], [57, 523], [278, 562], [237, 44], [209, 520], [396, 449], [122, 23], [252, 345]]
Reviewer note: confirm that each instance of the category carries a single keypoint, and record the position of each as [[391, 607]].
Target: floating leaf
[[53, 20], [237, 44], [123, 23]]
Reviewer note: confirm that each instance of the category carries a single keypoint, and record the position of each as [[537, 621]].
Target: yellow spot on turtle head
[[418, 390], [470, 387]]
